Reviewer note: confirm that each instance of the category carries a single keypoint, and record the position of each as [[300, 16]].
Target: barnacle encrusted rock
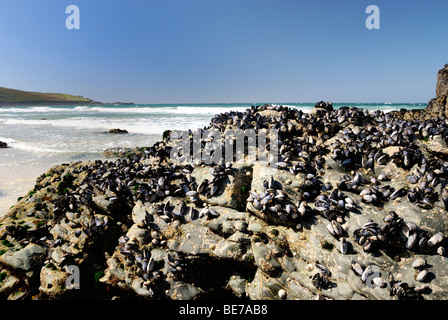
[[146, 227]]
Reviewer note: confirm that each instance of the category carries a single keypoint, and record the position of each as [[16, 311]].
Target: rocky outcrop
[[117, 152], [442, 82], [351, 205], [437, 107], [118, 131]]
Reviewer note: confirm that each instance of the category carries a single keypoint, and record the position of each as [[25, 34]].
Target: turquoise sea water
[[40, 137]]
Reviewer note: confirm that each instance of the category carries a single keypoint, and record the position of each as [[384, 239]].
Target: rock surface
[[437, 107], [354, 199], [442, 82], [118, 131]]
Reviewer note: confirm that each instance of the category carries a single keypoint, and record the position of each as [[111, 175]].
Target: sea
[[43, 136]]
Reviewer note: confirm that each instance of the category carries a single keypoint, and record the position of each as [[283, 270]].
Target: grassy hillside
[[19, 97]]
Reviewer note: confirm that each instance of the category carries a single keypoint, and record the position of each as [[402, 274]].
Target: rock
[[184, 291], [118, 131], [439, 105], [115, 274], [442, 82], [231, 190], [435, 145], [17, 295], [392, 151], [194, 239], [270, 114], [153, 233], [327, 106], [8, 282], [267, 288], [117, 152], [52, 280], [238, 285], [228, 223], [345, 290], [24, 258], [138, 234], [265, 258], [3, 145], [140, 289], [230, 250], [436, 107], [110, 204]]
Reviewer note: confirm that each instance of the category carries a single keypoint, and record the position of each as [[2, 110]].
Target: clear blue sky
[[192, 51]]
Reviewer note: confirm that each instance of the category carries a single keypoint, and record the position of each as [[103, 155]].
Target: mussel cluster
[[321, 279], [149, 269], [274, 202], [354, 138], [398, 234], [372, 278], [425, 180]]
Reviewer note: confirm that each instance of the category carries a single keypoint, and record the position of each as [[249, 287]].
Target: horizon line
[[263, 103]]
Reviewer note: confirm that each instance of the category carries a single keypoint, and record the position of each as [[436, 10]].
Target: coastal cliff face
[[356, 208], [13, 97], [439, 105], [442, 82], [436, 107]]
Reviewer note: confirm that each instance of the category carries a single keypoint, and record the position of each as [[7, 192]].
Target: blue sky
[[199, 51]]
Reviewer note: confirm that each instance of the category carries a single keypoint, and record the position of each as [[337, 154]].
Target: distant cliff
[[12, 97]]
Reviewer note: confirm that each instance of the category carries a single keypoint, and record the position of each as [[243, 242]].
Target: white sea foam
[[132, 125], [26, 122], [81, 108], [126, 110], [36, 109], [32, 146], [179, 110], [7, 140], [94, 110], [206, 110]]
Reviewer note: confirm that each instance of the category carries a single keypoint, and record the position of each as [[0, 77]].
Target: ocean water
[[40, 137]]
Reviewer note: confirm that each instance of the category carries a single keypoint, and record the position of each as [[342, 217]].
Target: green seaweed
[[51, 266], [166, 134], [98, 276], [326, 245], [62, 188], [7, 243], [40, 224]]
